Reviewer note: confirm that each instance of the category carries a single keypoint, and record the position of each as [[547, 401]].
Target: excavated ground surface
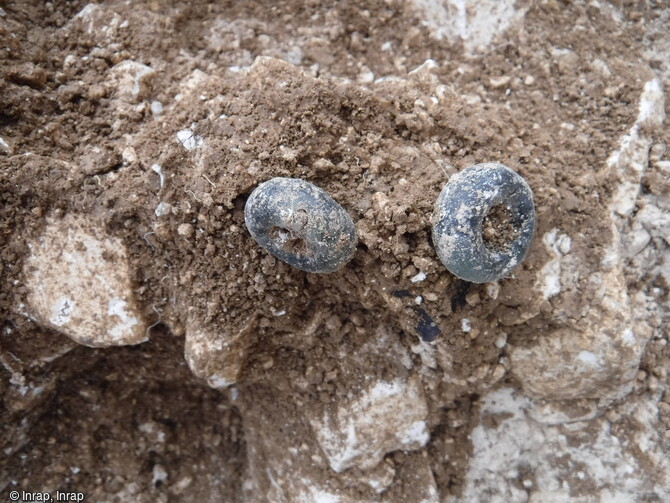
[[162, 157]]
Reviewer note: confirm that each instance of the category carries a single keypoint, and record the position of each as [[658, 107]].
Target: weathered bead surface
[[301, 224], [458, 220]]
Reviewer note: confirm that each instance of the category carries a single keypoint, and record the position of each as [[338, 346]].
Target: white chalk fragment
[[388, 416], [218, 382], [549, 278], [79, 283], [159, 171], [628, 337], [156, 108], [162, 209], [493, 290], [119, 308], [415, 433], [588, 358], [61, 311], [427, 66], [159, 475], [502, 451], [188, 139], [501, 341], [475, 22], [131, 79], [630, 161], [652, 102], [418, 277]]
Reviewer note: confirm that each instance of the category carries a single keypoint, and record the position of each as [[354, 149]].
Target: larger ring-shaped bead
[[458, 219]]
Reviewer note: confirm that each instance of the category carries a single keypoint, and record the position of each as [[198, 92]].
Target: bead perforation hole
[[498, 229], [287, 241]]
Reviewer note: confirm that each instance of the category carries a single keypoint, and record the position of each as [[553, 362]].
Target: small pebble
[[185, 230], [472, 298], [156, 108], [188, 139], [419, 277]]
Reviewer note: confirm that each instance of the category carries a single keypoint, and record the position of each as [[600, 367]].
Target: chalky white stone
[[388, 416], [600, 356], [132, 80], [79, 283]]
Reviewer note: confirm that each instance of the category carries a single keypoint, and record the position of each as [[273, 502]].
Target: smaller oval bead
[[300, 224]]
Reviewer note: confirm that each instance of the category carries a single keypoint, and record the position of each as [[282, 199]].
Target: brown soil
[[498, 228], [110, 417]]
